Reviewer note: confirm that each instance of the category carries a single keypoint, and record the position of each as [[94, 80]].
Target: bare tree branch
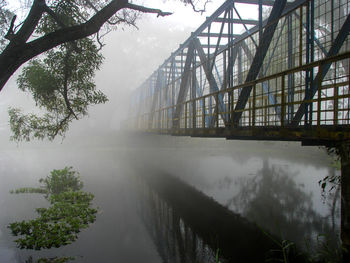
[[10, 33], [148, 10], [195, 8], [98, 39], [29, 23], [60, 126]]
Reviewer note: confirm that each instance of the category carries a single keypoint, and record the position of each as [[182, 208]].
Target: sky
[[131, 55]]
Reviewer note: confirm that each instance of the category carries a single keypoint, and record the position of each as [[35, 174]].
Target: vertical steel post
[[290, 65], [312, 54], [307, 61], [203, 113], [185, 115], [335, 104], [254, 105], [260, 20], [301, 36], [194, 107], [239, 65], [319, 101], [283, 101]]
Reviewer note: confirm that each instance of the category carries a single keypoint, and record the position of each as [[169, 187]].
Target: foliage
[[58, 225], [287, 251], [55, 260], [62, 85], [29, 190], [217, 259], [331, 181], [62, 181], [326, 251], [60, 82], [51, 260], [5, 17]]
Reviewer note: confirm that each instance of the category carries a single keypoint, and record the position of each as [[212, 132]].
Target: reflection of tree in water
[[274, 201], [331, 196]]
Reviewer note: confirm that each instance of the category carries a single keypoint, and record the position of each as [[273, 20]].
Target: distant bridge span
[[280, 74]]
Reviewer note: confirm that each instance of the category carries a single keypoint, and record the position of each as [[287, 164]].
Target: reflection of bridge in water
[[188, 226], [280, 74]]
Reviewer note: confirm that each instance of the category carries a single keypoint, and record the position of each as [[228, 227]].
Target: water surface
[[273, 185]]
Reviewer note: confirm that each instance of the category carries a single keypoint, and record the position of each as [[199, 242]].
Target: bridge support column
[[344, 151]]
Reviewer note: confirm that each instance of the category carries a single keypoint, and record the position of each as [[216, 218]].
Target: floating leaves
[[58, 225]]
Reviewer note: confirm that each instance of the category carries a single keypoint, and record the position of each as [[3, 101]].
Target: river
[[177, 199]]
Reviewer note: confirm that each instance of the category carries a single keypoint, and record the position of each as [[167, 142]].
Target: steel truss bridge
[[280, 73]]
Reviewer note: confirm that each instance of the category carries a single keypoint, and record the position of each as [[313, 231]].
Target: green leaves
[[58, 225], [24, 127], [38, 80], [29, 190], [62, 86], [60, 181]]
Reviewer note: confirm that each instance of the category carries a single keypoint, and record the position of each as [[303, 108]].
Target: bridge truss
[[282, 75]]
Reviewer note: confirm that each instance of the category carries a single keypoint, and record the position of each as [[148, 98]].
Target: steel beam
[[236, 21], [212, 82], [336, 46], [183, 86], [213, 46], [255, 2], [156, 96], [228, 4], [259, 57], [205, 34], [290, 111]]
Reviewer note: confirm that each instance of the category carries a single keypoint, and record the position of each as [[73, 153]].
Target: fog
[[110, 161], [108, 166]]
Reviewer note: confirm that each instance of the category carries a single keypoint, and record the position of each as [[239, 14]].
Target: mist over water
[[272, 184]]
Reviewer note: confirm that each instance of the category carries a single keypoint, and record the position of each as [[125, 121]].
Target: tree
[[61, 78]]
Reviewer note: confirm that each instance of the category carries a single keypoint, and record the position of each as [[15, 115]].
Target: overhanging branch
[[16, 54], [144, 9], [10, 33], [30, 22], [194, 5]]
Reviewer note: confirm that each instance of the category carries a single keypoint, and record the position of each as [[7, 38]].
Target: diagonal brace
[[336, 46], [259, 58], [212, 83], [183, 86], [156, 97]]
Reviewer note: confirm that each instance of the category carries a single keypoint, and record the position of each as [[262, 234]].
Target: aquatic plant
[[50, 260], [217, 260], [58, 225]]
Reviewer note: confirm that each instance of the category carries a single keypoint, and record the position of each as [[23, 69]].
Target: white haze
[[131, 55], [105, 157]]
